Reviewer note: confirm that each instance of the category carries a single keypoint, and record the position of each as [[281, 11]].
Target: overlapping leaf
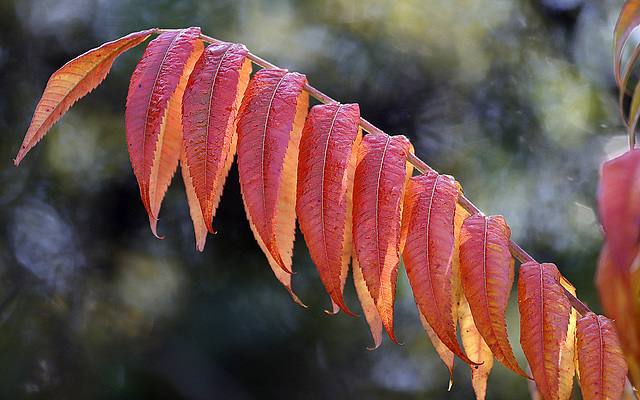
[[270, 123], [152, 118], [619, 293], [210, 106], [71, 82], [487, 273], [165, 96], [545, 314], [380, 177], [428, 237], [445, 354], [369, 308], [328, 150], [618, 197], [170, 149], [618, 275], [602, 365], [476, 348], [199, 225]]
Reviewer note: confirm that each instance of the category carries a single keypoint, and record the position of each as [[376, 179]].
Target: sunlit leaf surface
[[71, 82]]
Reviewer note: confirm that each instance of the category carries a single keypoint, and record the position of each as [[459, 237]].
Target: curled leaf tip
[[375, 346], [153, 222]]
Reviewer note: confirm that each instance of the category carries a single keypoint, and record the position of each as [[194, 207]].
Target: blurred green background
[[515, 98]]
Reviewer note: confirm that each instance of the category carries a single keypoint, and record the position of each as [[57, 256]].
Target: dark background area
[[515, 98]]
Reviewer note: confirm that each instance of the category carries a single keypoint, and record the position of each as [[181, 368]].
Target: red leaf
[[270, 123], [211, 101], [602, 365], [618, 275], [486, 268], [71, 82], [618, 197], [545, 314], [154, 134], [325, 190], [619, 291], [380, 177], [428, 223]]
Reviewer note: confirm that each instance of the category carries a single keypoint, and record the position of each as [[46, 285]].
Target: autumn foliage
[[359, 202]]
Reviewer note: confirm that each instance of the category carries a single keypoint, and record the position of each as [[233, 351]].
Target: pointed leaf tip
[[601, 362], [428, 237], [487, 272], [368, 305], [73, 81], [326, 168], [380, 177], [154, 105], [546, 329], [477, 349], [270, 122], [211, 101]]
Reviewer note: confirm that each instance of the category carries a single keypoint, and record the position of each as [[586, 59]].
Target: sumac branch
[[357, 199]]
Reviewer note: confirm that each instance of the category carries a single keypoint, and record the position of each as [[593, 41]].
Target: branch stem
[[421, 166]]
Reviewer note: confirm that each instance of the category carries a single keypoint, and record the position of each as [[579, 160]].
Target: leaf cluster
[[357, 199]]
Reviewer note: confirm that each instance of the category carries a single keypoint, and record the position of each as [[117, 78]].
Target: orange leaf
[[476, 348], [567, 362], [71, 82], [368, 305], [199, 225], [545, 314], [428, 234], [153, 123], [326, 166], [456, 280], [380, 177], [486, 268], [211, 101], [270, 123], [443, 351], [602, 365]]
